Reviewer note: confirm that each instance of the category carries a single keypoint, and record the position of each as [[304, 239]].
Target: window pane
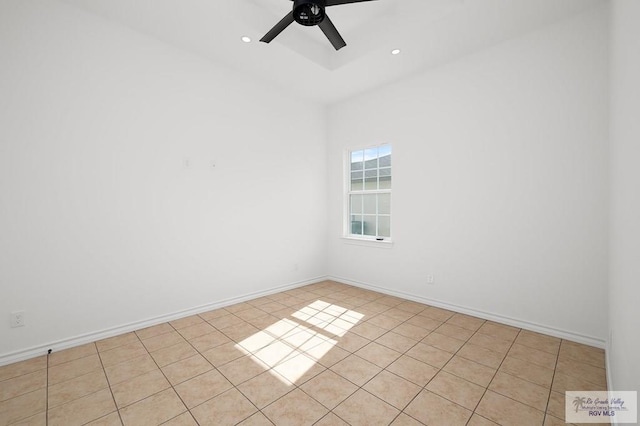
[[357, 157], [385, 182], [356, 204], [384, 226], [369, 204], [356, 225], [385, 160], [384, 204], [369, 225], [371, 164], [356, 181]]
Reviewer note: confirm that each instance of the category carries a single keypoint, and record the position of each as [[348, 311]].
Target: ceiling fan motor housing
[[309, 12]]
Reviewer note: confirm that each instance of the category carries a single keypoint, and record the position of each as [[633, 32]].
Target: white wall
[[100, 222], [500, 169], [624, 288]]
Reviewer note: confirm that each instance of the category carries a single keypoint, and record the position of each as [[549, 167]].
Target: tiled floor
[[324, 354]]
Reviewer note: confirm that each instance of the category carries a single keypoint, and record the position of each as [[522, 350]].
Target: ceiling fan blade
[[332, 33], [278, 28], [339, 2]]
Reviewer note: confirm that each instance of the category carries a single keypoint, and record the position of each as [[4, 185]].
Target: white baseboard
[[71, 342], [539, 328]]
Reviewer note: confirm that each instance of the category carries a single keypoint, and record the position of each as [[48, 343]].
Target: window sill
[[384, 244]]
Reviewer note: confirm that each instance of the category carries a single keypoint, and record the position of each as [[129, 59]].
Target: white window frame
[[357, 238]]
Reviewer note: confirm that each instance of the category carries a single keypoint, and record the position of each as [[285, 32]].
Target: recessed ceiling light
[[395, 52], [246, 39]]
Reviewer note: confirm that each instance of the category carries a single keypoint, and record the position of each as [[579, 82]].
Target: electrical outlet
[[17, 319], [431, 279]]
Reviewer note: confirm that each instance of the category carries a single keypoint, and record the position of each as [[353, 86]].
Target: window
[[369, 193]]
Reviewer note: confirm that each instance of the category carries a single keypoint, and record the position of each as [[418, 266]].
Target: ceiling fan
[[310, 13]]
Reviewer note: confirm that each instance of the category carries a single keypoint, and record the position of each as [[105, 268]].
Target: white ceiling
[[302, 61]]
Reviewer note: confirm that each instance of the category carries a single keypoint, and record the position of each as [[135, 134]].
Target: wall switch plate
[[17, 319], [431, 279]]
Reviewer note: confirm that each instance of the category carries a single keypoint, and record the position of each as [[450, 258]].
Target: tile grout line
[[115, 404]]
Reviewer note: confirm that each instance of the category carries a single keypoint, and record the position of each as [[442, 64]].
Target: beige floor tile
[[115, 341], [76, 388], [356, 369], [299, 369], [550, 420], [258, 419], [139, 388], [83, 410], [499, 331], [429, 354], [507, 412], [520, 390], [186, 369], [23, 384], [351, 342], [112, 419], [71, 354], [223, 354], [23, 367], [470, 370], [398, 314], [396, 341], [209, 341], [130, 369], [411, 331], [186, 322], [122, 353], [525, 370], [163, 340], [202, 388], [216, 313], [226, 321], [39, 419], [438, 314], [477, 420], [582, 353], [197, 330], [590, 373], [455, 331], [492, 343], [539, 341], [329, 354], [238, 307], [184, 419], [271, 307], [23, 406], [432, 409], [378, 354], [412, 307], [171, 354], [331, 420], [155, 409], [443, 342], [466, 321], [295, 409], [242, 369], [405, 420], [251, 313], [364, 409], [72, 369], [534, 356], [413, 370], [393, 389], [265, 388], [263, 322], [425, 322], [368, 331], [384, 321], [481, 355], [238, 333], [329, 388], [563, 383], [556, 405], [457, 390], [154, 331]]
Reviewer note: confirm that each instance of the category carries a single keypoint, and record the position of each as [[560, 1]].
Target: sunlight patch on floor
[[289, 348]]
